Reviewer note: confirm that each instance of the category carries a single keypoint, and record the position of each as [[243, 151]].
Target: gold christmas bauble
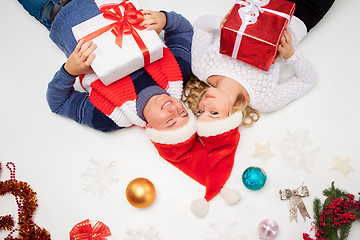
[[140, 192]]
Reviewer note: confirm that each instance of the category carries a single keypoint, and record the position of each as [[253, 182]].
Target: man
[[148, 97]]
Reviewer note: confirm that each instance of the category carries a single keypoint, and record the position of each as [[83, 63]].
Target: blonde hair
[[194, 91]]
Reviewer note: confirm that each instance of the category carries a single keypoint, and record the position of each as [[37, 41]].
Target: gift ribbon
[[84, 231], [124, 24], [249, 12], [296, 201]]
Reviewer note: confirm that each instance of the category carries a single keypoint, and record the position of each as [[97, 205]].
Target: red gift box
[[253, 30]]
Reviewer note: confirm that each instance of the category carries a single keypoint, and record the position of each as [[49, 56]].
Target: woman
[[233, 85]]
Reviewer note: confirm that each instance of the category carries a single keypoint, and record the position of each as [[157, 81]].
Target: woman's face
[[163, 112], [214, 105]]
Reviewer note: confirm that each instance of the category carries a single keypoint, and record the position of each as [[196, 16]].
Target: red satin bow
[[125, 24], [84, 231]]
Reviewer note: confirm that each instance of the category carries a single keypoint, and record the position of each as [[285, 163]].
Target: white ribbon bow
[[250, 10]]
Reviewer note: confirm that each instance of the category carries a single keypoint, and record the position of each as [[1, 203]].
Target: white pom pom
[[231, 196], [200, 207]]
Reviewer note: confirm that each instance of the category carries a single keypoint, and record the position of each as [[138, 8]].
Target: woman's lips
[[209, 96]]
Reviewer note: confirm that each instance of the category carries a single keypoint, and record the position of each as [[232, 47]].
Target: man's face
[[163, 112], [214, 105]]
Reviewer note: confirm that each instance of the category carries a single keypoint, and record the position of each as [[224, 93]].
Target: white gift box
[[112, 62]]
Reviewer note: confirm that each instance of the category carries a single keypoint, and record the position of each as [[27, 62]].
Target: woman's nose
[[207, 102]]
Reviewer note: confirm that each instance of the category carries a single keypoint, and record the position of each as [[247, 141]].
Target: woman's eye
[[214, 113], [200, 112]]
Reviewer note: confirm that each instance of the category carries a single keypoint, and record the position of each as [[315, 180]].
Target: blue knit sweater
[[64, 100]]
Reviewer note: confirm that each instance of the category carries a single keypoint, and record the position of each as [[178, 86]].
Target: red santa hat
[[208, 161], [220, 139], [182, 148]]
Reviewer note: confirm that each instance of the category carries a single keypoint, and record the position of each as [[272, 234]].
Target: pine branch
[[341, 193], [344, 231], [328, 229], [317, 206], [333, 192], [327, 192], [330, 192]]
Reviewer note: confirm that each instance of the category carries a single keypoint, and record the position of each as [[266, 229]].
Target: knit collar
[[144, 96]]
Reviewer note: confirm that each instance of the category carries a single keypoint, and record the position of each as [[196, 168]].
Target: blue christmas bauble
[[254, 178]]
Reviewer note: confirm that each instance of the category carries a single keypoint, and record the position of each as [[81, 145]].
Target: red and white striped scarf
[[118, 100]]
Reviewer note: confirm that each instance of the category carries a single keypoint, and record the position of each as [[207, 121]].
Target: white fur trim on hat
[[231, 196], [213, 128], [174, 136], [199, 207]]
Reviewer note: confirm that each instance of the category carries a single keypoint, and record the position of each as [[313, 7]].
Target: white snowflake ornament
[[221, 231], [149, 233], [99, 176], [298, 150]]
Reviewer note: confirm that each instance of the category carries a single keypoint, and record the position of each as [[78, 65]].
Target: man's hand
[[285, 50], [154, 20], [79, 62]]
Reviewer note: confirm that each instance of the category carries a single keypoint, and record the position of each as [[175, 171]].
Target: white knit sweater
[[266, 92]]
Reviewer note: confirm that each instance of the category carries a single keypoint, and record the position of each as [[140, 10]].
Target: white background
[[51, 153]]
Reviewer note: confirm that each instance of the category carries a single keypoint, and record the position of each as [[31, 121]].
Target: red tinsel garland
[[6, 222], [27, 203]]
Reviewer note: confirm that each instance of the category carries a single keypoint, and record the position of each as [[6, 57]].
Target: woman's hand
[[153, 20], [79, 62], [285, 50]]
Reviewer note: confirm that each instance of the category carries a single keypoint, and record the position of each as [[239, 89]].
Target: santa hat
[[208, 161], [220, 139], [182, 148]]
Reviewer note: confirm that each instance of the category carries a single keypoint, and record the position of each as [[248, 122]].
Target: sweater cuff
[[293, 59], [166, 15], [66, 77], [297, 29], [66, 72]]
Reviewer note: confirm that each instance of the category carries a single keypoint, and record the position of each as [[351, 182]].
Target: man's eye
[[214, 113], [183, 113]]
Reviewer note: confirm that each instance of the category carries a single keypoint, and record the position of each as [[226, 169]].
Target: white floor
[[79, 173]]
